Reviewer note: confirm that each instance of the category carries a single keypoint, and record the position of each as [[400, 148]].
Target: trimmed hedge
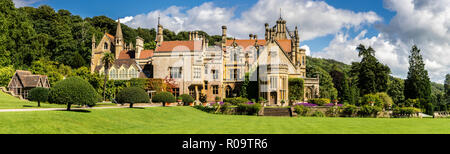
[[369, 111], [296, 89], [73, 90], [39, 95], [301, 110], [405, 110], [319, 101], [236, 100], [164, 97], [132, 95]]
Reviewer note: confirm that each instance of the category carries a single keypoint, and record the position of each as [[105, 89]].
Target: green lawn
[[187, 120], [10, 102]]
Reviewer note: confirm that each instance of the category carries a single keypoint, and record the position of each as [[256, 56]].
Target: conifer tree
[[417, 84]]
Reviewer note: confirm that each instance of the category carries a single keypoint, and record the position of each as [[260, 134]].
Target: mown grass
[[10, 102], [187, 120]]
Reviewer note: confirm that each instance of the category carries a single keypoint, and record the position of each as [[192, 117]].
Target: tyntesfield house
[[218, 70]]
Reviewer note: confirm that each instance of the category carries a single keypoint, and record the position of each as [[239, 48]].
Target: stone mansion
[[214, 70]]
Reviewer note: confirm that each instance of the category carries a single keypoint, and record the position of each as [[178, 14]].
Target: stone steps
[[277, 112]]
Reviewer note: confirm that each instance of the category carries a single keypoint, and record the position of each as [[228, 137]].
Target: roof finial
[[159, 17], [280, 13]]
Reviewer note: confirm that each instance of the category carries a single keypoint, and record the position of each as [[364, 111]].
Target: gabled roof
[[284, 44], [130, 54], [127, 63], [177, 46], [111, 37], [28, 79]]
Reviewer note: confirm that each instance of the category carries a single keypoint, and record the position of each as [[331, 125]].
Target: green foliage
[[430, 109], [187, 98], [73, 90], [139, 82], [38, 94], [236, 100], [395, 90], [411, 103], [318, 114], [319, 101], [386, 100], [369, 111], [217, 99], [447, 88], [206, 109], [417, 84], [248, 109], [164, 97], [350, 110], [327, 89], [150, 45], [301, 110], [132, 95], [405, 111], [372, 75], [296, 89], [6, 74], [202, 98]]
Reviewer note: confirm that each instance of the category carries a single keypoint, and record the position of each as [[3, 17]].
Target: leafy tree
[[338, 80], [447, 88], [296, 89], [73, 90], [132, 95], [38, 94], [395, 90], [6, 74], [107, 59], [150, 45], [164, 97], [372, 75], [187, 99], [417, 84], [327, 89]]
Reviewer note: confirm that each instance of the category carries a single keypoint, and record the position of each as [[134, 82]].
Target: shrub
[[73, 90], [203, 98], [217, 99], [319, 101], [369, 111], [164, 97], [430, 109], [132, 95], [411, 103], [248, 109], [205, 108], [318, 114], [350, 110], [38, 94], [386, 100], [236, 101], [301, 110], [405, 111], [371, 98], [187, 99]]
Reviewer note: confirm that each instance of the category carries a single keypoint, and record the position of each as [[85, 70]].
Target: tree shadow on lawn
[[77, 110], [27, 106], [140, 108]]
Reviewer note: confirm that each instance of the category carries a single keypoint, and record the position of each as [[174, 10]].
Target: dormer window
[[105, 46]]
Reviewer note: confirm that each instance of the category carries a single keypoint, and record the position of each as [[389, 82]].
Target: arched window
[[106, 46], [122, 73], [132, 73], [113, 73]]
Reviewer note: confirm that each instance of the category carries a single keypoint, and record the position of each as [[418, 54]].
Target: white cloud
[[22, 3], [126, 19], [421, 22], [308, 50], [314, 18]]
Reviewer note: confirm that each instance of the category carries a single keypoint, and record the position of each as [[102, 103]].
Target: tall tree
[[372, 75], [395, 90], [447, 88], [107, 60], [417, 84]]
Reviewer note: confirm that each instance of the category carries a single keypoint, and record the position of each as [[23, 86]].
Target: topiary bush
[[164, 97], [319, 101], [39, 95], [132, 95], [405, 111], [73, 91], [187, 99]]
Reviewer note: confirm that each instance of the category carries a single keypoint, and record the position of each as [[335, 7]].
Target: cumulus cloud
[[22, 3], [126, 19], [314, 18], [421, 22]]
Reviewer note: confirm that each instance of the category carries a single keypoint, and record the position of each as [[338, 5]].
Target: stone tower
[[159, 35], [118, 42], [139, 47]]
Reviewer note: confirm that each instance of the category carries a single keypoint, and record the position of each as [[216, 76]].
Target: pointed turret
[[119, 44], [93, 43]]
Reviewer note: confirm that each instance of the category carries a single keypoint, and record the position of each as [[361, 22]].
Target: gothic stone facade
[[217, 70]]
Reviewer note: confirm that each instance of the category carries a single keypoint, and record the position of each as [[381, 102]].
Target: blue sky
[[119, 9], [328, 28]]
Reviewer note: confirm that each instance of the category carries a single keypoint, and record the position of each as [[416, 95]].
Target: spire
[[159, 18], [280, 14], [119, 30]]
